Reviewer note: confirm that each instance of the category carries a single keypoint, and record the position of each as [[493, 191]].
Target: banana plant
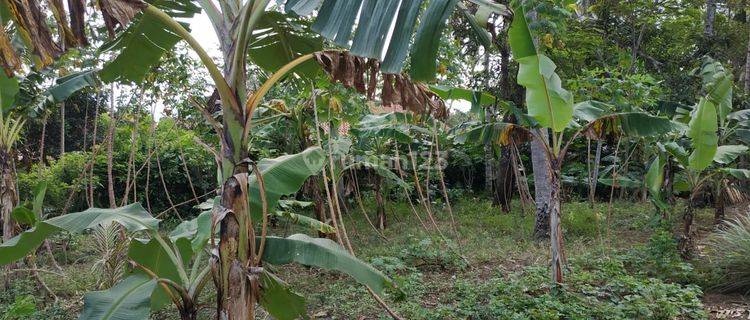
[[175, 268], [552, 107], [704, 162]]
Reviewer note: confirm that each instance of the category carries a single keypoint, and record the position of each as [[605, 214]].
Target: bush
[[731, 248]]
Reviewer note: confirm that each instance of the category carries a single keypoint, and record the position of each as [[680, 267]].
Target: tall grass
[[731, 245]]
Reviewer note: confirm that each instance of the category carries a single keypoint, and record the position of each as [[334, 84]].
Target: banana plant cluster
[[706, 150], [552, 108]]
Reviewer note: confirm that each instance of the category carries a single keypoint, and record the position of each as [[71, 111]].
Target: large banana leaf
[[305, 221], [737, 173], [703, 132], [323, 253], [198, 231], [728, 153], [8, 90], [654, 180], [373, 33], [69, 84], [279, 300], [144, 42], [129, 299], [633, 124], [380, 170], [495, 132], [283, 176], [278, 39], [678, 152], [388, 125], [717, 83], [546, 100], [155, 258], [133, 217]]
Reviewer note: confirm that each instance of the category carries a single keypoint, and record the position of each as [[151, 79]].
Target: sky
[[202, 30]]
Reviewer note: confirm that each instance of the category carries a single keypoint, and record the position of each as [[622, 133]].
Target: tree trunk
[[110, 153], [595, 175], [62, 130], [504, 180], [556, 237], [685, 244], [747, 68], [489, 157], [542, 185], [378, 186], [8, 200], [720, 205], [708, 30]]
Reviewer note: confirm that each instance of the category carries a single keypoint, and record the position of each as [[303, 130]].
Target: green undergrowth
[[621, 265]]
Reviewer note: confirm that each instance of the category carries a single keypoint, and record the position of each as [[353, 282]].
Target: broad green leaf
[[590, 110], [379, 170], [496, 132], [478, 27], [388, 125], [323, 253], [373, 27], [278, 39], [703, 132], [717, 83], [728, 153], [198, 231], [8, 91], [737, 173], [305, 221], [743, 135], [24, 216], [678, 152], [155, 258], [40, 190], [632, 124], [742, 115], [546, 100], [654, 178], [398, 47], [453, 93], [279, 300], [133, 217], [427, 40], [142, 45], [70, 84], [283, 176], [301, 7], [129, 299]]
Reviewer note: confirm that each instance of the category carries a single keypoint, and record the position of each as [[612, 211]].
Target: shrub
[[731, 247]]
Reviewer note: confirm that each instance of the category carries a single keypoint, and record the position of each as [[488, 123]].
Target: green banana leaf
[[546, 100], [678, 152], [632, 124], [142, 45], [737, 173], [279, 38], [728, 153], [70, 84], [155, 258], [279, 300], [8, 90], [133, 217], [380, 170], [198, 231], [496, 132], [326, 254], [283, 176], [703, 134], [129, 299], [654, 180], [305, 221]]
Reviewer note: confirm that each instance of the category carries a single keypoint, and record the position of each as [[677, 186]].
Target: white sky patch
[[458, 105]]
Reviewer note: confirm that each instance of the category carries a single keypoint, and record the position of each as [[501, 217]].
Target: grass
[[620, 267]]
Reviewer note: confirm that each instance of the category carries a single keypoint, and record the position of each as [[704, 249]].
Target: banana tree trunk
[[720, 205], [556, 238], [708, 30], [8, 193], [747, 69], [380, 202], [685, 244], [8, 200], [542, 186], [595, 175]]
